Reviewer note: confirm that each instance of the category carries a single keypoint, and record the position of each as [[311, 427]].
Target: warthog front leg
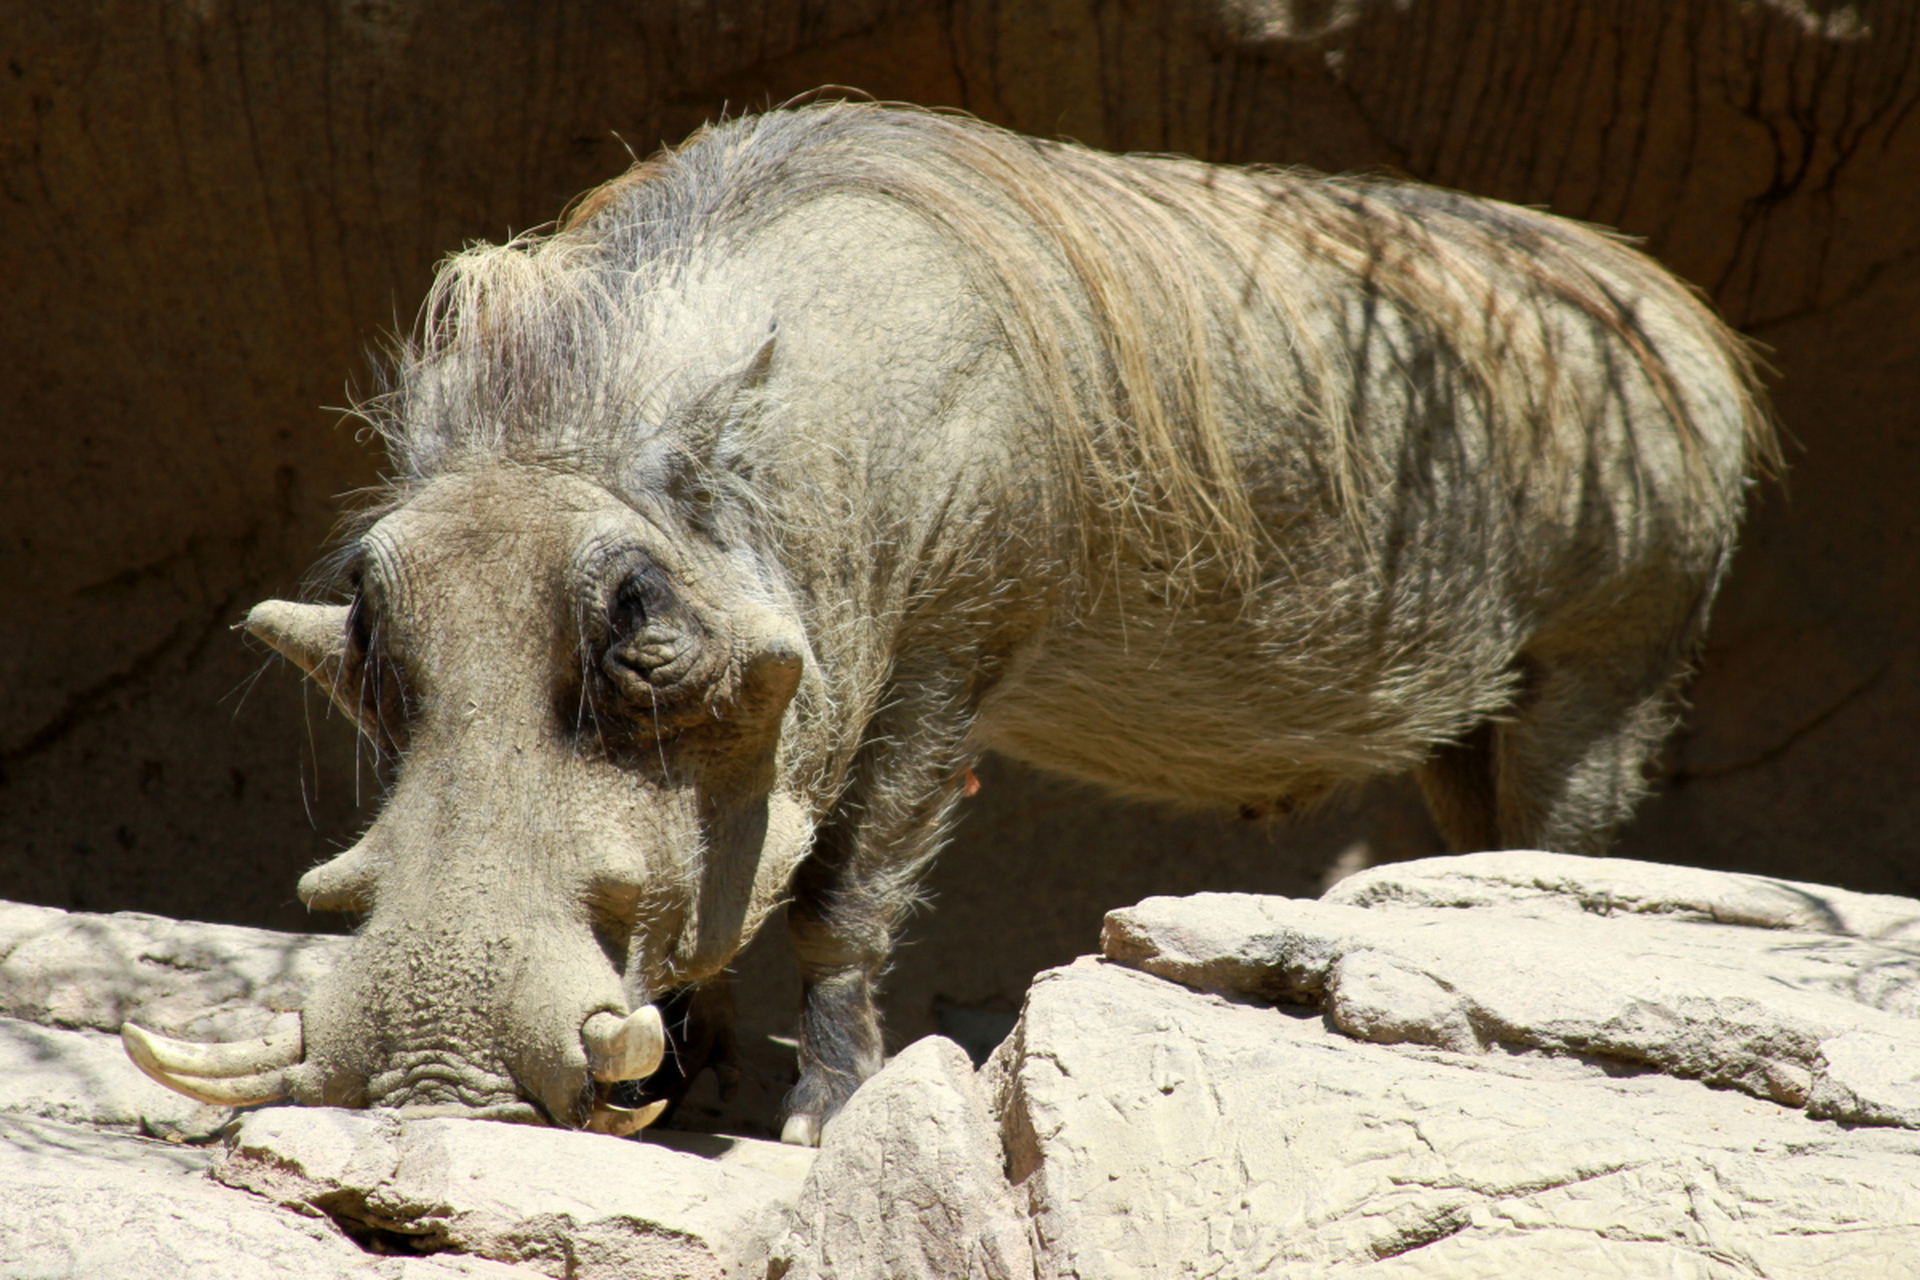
[[851, 895], [841, 955]]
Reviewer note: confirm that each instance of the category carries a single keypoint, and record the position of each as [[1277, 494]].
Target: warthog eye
[[370, 681], [359, 626], [628, 610], [656, 648]]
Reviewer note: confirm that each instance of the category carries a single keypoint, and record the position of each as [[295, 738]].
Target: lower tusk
[[232, 1091], [620, 1121], [224, 1075], [280, 1047], [628, 1048]]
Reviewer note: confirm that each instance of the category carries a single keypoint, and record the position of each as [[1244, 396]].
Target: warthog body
[[803, 464]]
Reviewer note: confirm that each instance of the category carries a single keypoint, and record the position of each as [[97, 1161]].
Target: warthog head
[[582, 700]]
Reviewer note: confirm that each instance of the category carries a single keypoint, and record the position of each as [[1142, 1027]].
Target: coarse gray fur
[[1204, 485]]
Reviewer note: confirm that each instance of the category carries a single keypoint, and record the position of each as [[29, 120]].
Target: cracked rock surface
[[73, 969], [1504, 1064], [562, 1203], [69, 979], [1527, 951], [1498, 1063], [1154, 1132], [84, 1204], [910, 1183]]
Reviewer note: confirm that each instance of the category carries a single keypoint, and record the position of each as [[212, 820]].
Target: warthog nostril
[[242, 1074], [628, 1048]]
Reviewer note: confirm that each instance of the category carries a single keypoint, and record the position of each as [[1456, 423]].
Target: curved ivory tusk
[[619, 1121], [628, 1048], [280, 1047], [224, 1075], [231, 1089]]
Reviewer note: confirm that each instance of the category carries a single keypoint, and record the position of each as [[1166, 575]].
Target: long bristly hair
[[538, 347]]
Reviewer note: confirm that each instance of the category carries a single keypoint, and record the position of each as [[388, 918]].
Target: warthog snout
[[251, 1072]]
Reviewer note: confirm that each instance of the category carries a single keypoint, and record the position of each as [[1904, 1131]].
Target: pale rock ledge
[[1494, 1065]]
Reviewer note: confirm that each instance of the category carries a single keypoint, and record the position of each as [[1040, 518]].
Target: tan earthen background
[[210, 210]]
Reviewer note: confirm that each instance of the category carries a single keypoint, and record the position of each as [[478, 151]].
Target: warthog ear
[[726, 402], [312, 636], [315, 638], [691, 453]]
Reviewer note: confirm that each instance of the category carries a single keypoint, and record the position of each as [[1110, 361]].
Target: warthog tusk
[[628, 1048], [620, 1121], [233, 1091], [243, 1074], [280, 1047]]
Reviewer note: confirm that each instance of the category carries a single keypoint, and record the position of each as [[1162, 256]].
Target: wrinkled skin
[[541, 855]]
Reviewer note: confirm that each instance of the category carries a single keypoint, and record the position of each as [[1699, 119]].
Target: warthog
[[737, 516]]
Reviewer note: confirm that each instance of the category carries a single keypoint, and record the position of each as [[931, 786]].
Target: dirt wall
[[211, 210]]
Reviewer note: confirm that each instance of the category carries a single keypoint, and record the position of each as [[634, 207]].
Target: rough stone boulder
[[1487, 1063], [911, 1182], [79, 1203], [568, 1204], [1804, 995], [1503, 1064], [1152, 1133], [199, 981], [322, 1192]]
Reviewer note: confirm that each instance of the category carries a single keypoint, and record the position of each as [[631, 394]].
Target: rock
[[84, 1077], [1526, 963], [1155, 1132], [782, 1160], [909, 1184], [69, 979], [21, 920], [1865, 1078], [1531, 882], [1489, 1065], [560, 1202], [80, 1203], [178, 977]]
